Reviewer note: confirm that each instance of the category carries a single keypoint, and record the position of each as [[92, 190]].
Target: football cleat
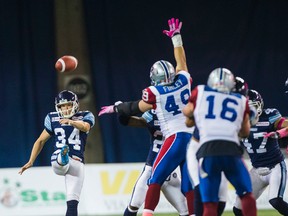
[[64, 155]]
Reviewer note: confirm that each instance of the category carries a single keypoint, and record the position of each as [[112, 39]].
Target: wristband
[[177, 40]]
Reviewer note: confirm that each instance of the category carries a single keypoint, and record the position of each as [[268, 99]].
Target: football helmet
[[241, 86], [222, 80], [162, 73], [65, 97], [256, 100]]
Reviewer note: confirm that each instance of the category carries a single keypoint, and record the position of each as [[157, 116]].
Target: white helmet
[[222, 80], [162, 73]]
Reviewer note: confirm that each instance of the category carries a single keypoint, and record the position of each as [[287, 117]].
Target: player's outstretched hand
[[273, 134], [174, 27], [26, 166], [106, 110]]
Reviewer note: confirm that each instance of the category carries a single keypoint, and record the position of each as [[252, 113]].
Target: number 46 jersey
[[168, 102], [218, 116]]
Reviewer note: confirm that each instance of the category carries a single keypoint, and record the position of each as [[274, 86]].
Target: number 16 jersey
[[218, 116]]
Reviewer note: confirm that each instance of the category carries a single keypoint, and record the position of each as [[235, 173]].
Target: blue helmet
[[66, 97], [256, 100]]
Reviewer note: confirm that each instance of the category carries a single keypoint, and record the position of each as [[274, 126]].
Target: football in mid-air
[[66, 63]]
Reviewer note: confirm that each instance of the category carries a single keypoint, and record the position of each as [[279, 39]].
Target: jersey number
[[171, 105], [227, 112], [262, 146], [73, 138]]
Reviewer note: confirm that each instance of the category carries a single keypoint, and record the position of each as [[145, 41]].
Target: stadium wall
[[106, 191]]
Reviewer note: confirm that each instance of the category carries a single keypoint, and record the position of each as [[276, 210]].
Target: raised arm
[[179, 52]]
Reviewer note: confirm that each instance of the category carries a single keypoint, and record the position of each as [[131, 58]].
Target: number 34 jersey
[[168, 102], [218, 116], [264, 152], [68, 135]]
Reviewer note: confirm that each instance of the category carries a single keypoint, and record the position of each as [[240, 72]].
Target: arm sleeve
[[47, 124]]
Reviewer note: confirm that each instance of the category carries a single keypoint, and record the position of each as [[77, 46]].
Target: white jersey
[[168, 102], [218, 116]]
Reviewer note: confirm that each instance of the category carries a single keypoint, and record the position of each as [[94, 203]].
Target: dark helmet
[[256, 100], [241, 86], [65, 97]]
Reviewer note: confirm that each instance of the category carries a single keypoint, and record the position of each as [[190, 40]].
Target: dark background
[[124, 39]]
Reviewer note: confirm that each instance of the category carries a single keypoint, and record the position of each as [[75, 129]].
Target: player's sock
[[221, 207], [152, 197], [147, 212], [237, 212], [72, 208], [198, 205], [190, 201], [130, 212], [280, 205], [248, 205], [210, 208]]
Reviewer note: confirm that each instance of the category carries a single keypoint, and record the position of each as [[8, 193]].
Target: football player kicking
[[268, 165], [171, 188], [168, 97], [70, 128]]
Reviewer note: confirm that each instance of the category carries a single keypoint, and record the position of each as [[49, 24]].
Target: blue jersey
[[69, 135], [156, 135], [264, 152]]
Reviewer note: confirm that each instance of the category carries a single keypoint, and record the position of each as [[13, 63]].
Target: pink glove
[[174, 26], [273, 134], [277, 134], [106, 110]]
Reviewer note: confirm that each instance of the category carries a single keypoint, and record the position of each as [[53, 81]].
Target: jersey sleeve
[[90, 119], [193, 96], [48, 125], [149, 97], [147, 116], [274, 116]]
